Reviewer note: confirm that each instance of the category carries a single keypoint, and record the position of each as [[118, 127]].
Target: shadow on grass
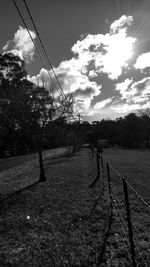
[[18, 192], [52, 161]]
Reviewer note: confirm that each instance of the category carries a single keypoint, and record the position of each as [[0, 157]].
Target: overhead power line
[[31, 37], [36, 47], [48, 59]]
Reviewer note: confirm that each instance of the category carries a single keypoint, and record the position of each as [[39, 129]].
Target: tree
[[24, 107], [145, 119], [12, 85], [131, 131]]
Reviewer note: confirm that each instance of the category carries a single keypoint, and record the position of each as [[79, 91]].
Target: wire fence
[[129, 238]]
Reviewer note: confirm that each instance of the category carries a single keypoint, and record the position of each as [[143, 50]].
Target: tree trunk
[[147, 138], [42, 174]]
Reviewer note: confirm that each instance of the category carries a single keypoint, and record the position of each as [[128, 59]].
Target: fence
[[121, 196]]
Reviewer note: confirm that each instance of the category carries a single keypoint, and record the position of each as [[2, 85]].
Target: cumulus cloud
[[102, 104], [72, 81], [92, 54], [135, 93], [21, 45], [119, 49], [101, 108], [122, 23], [125, 89], [142, 89], [106, 53], [143, 61], [125, 108]]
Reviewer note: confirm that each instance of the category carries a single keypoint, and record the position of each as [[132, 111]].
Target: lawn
[[63, 222], [8, 163], [134, 165], [56, 223]]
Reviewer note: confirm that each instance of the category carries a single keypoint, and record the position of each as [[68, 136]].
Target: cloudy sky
[[100, 51]]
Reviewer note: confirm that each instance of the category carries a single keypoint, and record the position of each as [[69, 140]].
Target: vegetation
[[30, 120], [27, 117], [133, 165], [62, 222], [54, 223], [25, 110]]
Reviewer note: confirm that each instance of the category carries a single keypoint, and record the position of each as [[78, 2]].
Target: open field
[[8, 163], [19, 172], [62, 222], [135, 166], [54, 223]]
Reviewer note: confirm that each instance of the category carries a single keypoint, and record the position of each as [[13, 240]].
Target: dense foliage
[[131, 131], [24, 108]]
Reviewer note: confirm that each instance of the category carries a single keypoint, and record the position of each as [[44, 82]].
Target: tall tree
[[24, 107], [131, 130], [145, 119]]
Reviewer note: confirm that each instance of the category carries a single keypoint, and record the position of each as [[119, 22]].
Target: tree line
[[131, 131], [27, 111], [31, 119]]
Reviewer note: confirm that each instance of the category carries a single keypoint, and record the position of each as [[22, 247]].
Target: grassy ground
[[133, 165], [8, 163], [56, 223], [64, 223]]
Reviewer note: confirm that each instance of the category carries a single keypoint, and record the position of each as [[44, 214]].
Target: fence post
[[109, 186], [98, 164], [102, 164], [42, 173], [98, 170], [130, 230]]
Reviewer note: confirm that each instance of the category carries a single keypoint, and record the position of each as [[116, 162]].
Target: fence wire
[[115, 196]]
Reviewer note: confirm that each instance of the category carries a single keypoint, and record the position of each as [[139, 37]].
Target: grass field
[[8, 163], [19, 172], [62, 222], [135, 166], [54, 223]]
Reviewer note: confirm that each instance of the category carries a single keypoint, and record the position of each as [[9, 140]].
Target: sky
[[99, 49]]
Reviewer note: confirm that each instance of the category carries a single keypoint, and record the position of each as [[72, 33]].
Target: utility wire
[[16, 6], [38, 53], [48, 59], [31, 36]]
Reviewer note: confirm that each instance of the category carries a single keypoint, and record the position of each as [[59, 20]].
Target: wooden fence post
[[42, 173], [98, 164], [102, 164], [102, 172], [109, 186], [98, 170], [130, 230]]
